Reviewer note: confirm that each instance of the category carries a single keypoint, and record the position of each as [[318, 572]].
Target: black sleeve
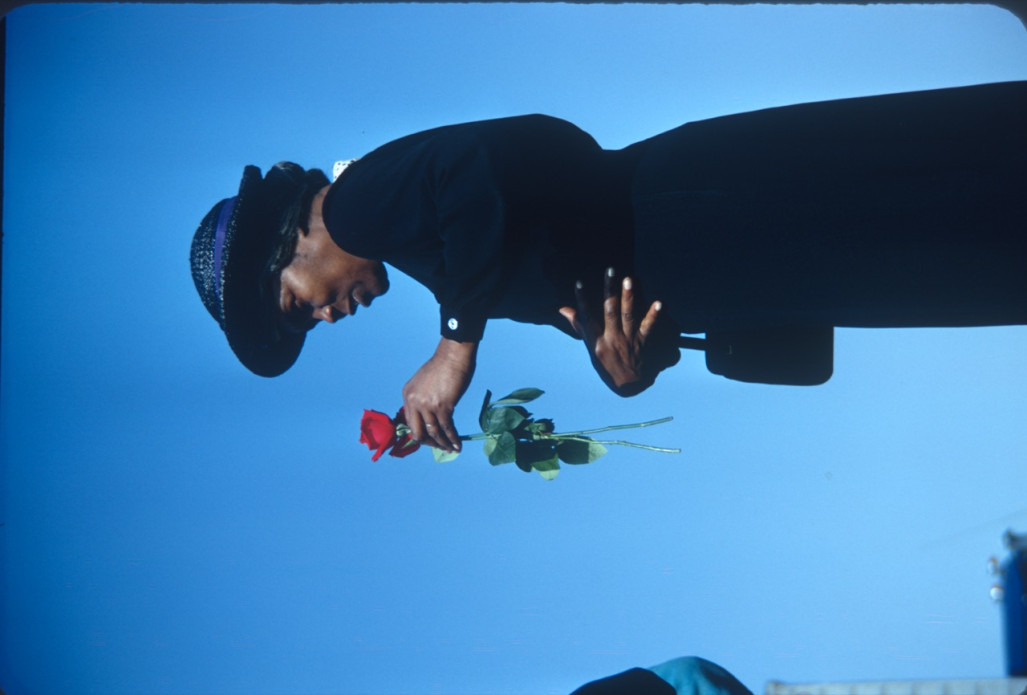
[[450, 207], [471, 218]]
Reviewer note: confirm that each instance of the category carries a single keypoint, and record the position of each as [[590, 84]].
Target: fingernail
[[578, 285], [627, 283], [610, 272], [657, 305]]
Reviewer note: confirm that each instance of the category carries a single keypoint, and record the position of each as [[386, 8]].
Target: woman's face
[[324, 283]]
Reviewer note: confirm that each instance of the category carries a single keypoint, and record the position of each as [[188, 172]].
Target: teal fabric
[[690, 675]]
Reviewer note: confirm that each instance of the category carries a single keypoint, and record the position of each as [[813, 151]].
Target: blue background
[[173, 524]]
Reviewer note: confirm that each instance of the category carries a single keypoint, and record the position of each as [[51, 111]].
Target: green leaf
[[483, 413], [503, 449], [501, 420], [443, 456], [549, 468], [574, 451], [538, 455], [520, 396], [541, 426]]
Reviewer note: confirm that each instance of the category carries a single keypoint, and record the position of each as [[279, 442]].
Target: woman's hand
[[430, 397], [617, 343]]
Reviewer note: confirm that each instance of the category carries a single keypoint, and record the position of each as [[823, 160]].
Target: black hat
[[230, 249]]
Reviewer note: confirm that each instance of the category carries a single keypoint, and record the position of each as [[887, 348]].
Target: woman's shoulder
[[531, 121], [512, 158], [486, 150], [529, 130]]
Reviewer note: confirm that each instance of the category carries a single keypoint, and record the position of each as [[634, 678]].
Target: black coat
[[899, 210], [497, 218], [763, 230]]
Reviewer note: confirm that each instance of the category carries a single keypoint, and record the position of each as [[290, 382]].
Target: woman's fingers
[[611, 305], [572, 318], [431, 394], [431, 432], [579, 295], [619, 317], [583, 316], [616, 341], [436, 432], [649, 320], [608, 286], [627, 308], [429, 424], [415, 422], [619, 309], [445, 435]]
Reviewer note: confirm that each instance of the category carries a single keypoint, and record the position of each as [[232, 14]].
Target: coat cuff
[[461, 327]]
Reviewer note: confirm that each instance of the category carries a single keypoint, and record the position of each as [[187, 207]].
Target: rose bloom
[[378, 432]]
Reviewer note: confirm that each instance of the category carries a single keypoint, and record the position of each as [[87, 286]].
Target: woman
[[762, 230]]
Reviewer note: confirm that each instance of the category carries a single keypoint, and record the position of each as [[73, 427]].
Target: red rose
[[404, 445], [377, 431], [382, 434]]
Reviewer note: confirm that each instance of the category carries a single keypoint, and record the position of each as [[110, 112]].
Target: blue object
[[1014, 604], [691, 675]]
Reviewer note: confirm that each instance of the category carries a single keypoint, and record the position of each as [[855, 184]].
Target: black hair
[[294, 215], [293, 218]]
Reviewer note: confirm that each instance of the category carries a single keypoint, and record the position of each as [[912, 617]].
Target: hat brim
[[249, 317]]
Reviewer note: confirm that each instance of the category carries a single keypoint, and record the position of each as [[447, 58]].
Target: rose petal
[[377, 432]]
